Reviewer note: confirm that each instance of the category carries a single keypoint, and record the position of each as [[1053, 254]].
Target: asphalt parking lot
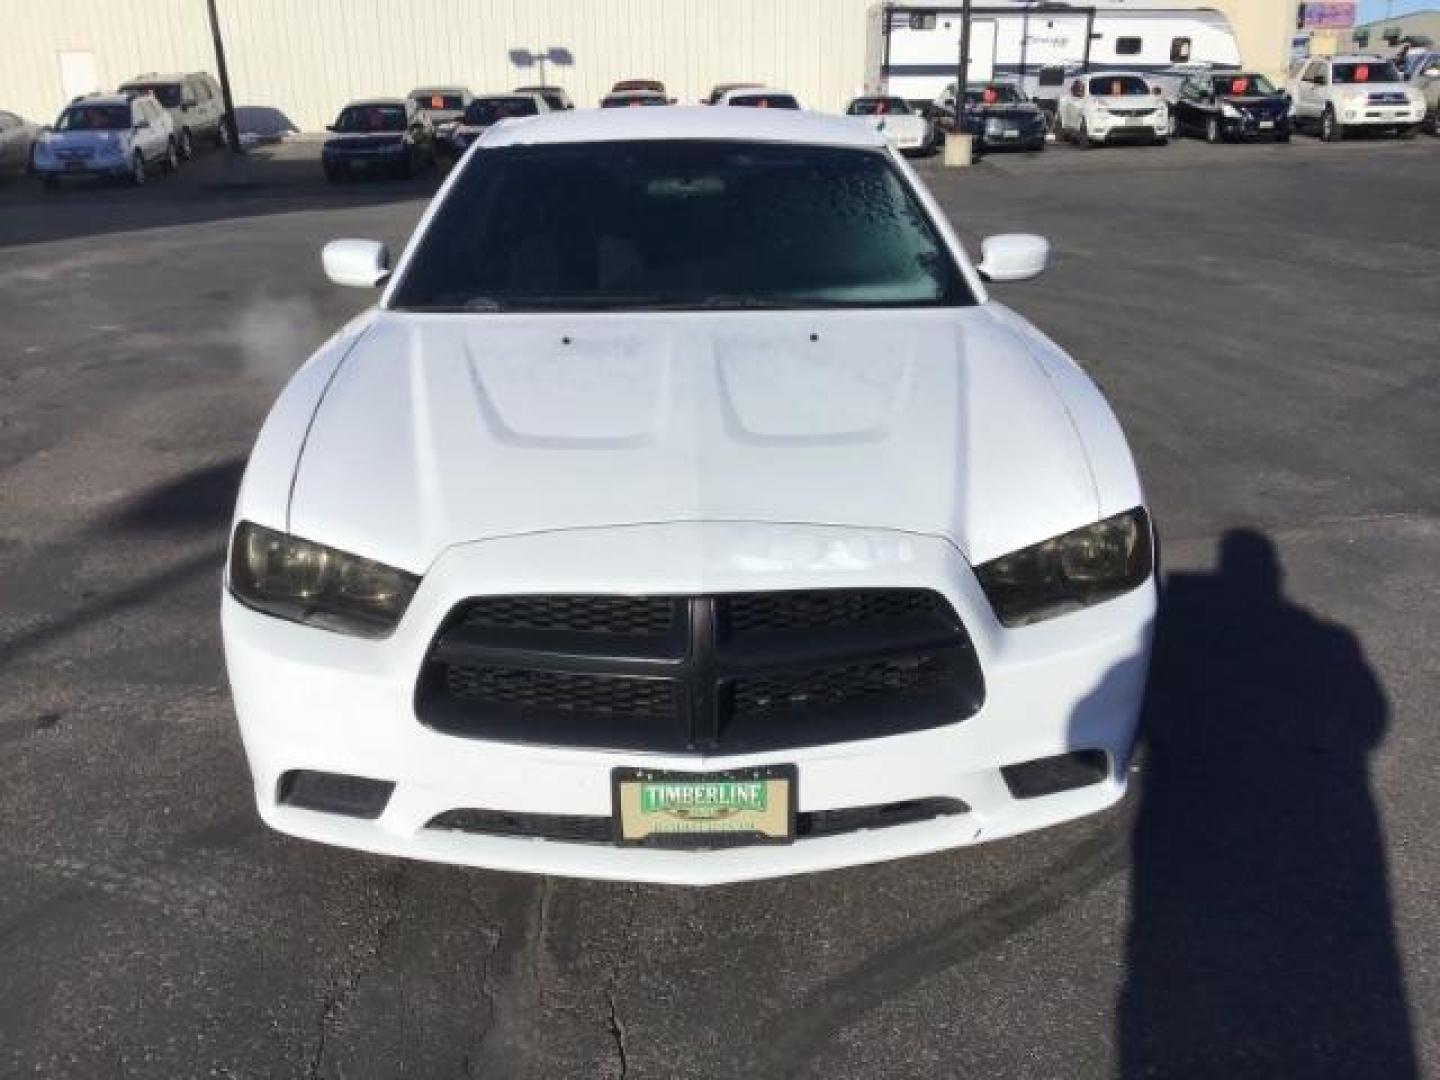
[[1264, 321]]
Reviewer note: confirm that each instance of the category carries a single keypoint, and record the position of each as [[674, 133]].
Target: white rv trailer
[[912, 49]]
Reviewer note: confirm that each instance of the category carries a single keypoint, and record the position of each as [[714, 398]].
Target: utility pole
[[963, 76], [232, 132]]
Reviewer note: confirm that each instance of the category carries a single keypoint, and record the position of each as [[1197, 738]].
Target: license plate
[[1266, 125], [1135, 121], [1011, 134], [655, 808]]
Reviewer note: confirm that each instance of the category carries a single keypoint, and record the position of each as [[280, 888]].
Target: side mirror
[[141, 125], [329, 127], [361, 264], [1013, 257]]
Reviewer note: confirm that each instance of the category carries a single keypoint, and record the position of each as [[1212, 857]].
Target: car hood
[[1261, 102], [365, 140], [896, 122], [61, 140], [1008, 111], [445, 429], [1127, 101]]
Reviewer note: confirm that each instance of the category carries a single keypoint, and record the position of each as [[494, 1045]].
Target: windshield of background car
[[765, 101], [367, 118], [1242, 85], [625, 101], [439, 102], [880, 107], [94, 118], [486, 111], [638, 84], [994, 95], [679, 225], [1370, 71], [168, 94], [1118, 85]]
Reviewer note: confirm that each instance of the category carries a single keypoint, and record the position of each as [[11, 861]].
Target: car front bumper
[[1119, 129], [310, 699]]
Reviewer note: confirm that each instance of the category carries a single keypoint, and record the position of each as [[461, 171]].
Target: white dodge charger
[[686, 511]]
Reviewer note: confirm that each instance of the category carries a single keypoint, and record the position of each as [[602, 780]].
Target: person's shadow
[[1261, 941]]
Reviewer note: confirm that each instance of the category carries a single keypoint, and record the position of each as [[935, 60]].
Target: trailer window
[[1052, 76], [922, 20], [1180, 50], [1127, 46]]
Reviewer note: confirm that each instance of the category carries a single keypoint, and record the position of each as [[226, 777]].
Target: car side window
[[1179, 50], [1127, 46]]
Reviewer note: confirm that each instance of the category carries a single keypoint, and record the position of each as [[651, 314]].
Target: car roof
[[686, 122], [1355, 58], [420, 90], [100, 99], [363, 102], [157, 77], [758, 91], [634, 93]]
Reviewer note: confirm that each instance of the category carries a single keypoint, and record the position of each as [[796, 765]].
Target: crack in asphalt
[[617, 1032], [794, 1041], [345, 986]]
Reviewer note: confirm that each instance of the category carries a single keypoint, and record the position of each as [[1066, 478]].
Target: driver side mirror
[[360, 264], [1013, 257]]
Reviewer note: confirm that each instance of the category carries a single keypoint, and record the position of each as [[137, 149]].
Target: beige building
[[301, 59]]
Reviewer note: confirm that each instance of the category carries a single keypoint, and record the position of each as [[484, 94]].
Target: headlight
[[1229, 111], [306, 582], [1069, 572]]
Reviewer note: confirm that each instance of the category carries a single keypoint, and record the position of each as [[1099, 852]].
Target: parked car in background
[[554, 96], [489, 109], [443, 106], [1422, 71], [686, 510], [627, 98], [118, 135], [194, 102], [1050, 87], [1170, 79], [1338, 95], [999, 115], [903, 127], [1113, 106], [760, 97], [719, 90], [17, 143], [380, 136], [1230, 107], [654, 86]]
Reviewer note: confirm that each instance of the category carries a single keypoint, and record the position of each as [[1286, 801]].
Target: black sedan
[[388, 136], [1000, 115], [1230, 107]]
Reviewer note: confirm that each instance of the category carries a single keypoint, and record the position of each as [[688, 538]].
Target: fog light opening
[[1049, 776], [335, 793]]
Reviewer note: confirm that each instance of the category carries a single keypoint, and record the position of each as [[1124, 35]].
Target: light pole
[[232, 132]]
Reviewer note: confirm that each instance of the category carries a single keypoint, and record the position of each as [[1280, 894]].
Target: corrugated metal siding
[[306, 58]]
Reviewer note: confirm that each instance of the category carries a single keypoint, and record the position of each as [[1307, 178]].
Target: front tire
[[1331, 130], [171, 163], [137, 170], [1082, 137], [187, 145], [1213, 134]]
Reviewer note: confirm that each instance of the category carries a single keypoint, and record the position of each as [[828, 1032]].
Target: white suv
[[107, 135], [1337, 94], [1113, 106], [686, 511], [195, 105]]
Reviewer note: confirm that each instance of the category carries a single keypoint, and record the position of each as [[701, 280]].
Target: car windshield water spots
[[168, 94], [1370, 71], [680, 224], [1118, 85], [94, 118], [367, 118], [487, 111]]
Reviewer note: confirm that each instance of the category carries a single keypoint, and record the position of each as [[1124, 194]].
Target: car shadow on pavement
[[1261, 940], [198, 501]]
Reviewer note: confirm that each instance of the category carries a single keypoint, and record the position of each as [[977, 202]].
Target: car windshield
[[1368, 71], [439, 102], [997, 94], [1118, 85], [486, 111], [638, 84], [366, 118], [168, 94], [765, 101], [1242, 85], [880, 107], [94, 118], [679, 225], [622, 101]]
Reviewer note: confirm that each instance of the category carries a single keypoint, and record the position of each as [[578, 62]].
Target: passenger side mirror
[[360, 264], [1013, 257], [329, 127]]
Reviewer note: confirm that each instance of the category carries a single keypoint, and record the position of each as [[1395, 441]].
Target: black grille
[[598, 829], [706, 674]]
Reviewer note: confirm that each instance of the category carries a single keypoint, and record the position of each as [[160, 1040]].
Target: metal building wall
[[307, 57]]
